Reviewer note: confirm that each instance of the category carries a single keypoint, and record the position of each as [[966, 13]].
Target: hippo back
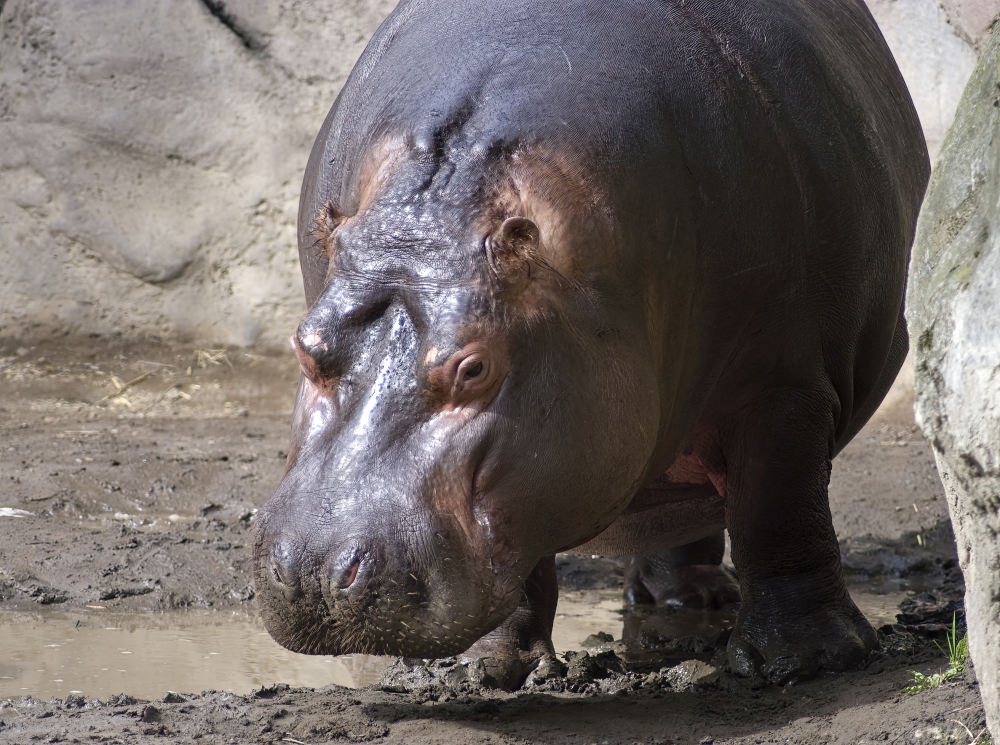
[[799, 96]]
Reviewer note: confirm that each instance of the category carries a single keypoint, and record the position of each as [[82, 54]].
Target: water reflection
[[99, 653]]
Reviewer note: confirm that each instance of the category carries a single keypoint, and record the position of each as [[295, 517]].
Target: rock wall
[[151, 159], [973, 19], [953, 307], [934, 57], [151, 153]]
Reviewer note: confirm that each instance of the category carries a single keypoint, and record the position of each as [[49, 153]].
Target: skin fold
[[595, 277]]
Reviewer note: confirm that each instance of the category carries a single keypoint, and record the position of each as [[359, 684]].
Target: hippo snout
[[282, 565], [324, 593]]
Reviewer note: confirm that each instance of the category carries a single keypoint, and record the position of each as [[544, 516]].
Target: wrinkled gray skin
[[605, 276]]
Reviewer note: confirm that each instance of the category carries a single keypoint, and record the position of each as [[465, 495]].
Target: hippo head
[[471, 400]]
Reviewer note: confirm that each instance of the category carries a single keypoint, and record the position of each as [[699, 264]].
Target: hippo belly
[[684, 505], [610, 277]]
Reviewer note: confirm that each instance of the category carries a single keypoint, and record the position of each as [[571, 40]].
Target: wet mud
[[129, 480]]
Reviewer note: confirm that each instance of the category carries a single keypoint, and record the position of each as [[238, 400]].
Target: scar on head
[[377, 166], [327, 221]]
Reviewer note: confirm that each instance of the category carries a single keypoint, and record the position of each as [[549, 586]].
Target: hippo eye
[[473, 370], [470, 371], [469, 377]]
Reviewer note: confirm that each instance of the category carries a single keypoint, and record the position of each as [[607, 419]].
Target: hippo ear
[[511, 246], [327, 221]]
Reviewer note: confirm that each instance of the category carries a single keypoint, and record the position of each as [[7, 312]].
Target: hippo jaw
[[376, 600], [399, 617]]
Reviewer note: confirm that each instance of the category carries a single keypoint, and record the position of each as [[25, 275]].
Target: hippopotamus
[[598, 277]]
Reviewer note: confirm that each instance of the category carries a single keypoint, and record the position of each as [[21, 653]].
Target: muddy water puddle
[[146, 655], [99, 653]]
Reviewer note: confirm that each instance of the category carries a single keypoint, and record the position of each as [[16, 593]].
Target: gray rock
[[405, 675], [454, 673], [584, 668], [151, 161], [690, 674], [548, 671], [972, 18], [597, 640], [953, 307]]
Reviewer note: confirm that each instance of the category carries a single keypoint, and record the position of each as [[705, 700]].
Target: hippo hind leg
[[688, 576], [796, 617], [898, 348], [524, 641]]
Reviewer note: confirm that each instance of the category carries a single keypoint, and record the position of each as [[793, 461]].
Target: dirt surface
[[140, 498]]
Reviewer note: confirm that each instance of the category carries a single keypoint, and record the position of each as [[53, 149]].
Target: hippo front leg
[[512, 650], [796, 618]]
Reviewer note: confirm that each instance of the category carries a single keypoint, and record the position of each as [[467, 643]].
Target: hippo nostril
[[276, 573], [350, 575], [282, 564], [345, 569]]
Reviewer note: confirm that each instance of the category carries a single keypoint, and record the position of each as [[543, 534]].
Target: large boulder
[[151, 159], [973, 19], [953, 307]]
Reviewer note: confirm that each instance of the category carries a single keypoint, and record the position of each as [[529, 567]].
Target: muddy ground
[[129, 479]]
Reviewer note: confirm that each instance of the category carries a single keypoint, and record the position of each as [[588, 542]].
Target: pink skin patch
[[676, 509], [352, 574], [688, 469]]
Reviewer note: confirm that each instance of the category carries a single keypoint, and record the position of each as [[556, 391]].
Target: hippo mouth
[[380, 600]]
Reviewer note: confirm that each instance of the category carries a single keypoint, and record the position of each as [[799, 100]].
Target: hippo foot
[[786, 648], [698, 586], [688, 576], [506, 665], [523, 643]]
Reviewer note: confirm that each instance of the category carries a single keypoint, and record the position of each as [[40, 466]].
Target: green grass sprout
[[958, 655]]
